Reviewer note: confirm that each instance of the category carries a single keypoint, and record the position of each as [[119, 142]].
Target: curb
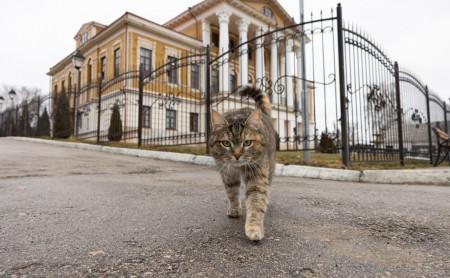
[[439, 176]]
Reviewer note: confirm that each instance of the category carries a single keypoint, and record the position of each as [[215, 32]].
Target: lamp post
[[2, 100], [12, 95], [77, 61]]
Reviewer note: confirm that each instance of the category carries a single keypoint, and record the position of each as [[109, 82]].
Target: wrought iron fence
[[30, 118], [348, 97]]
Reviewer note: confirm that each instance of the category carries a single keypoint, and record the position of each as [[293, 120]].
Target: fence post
[[208, 99], [399, 115], [445, 117], [38, 116], [99, 108], [140, 101], [430, 142], [343, 98], [16, 121]]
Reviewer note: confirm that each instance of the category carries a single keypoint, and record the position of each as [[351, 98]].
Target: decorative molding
[[224, 15], [118, 42], [141, 42], [243, 25]]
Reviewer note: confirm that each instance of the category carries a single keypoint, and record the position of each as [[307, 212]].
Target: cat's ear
[[254, 119], [217, 120]]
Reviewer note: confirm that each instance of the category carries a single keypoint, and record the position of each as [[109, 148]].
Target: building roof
[[207, 4], [87, 25], [132, 20]]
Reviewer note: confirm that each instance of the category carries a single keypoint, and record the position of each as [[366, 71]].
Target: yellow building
[[116, 51]]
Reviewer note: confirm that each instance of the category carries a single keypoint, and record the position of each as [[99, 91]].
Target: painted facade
[[120, 46]]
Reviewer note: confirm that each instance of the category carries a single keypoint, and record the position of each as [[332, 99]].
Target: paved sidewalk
[[67, 212], [437, 176]]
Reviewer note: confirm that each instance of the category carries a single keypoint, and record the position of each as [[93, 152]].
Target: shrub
[[115, 125], [326, 144], [62, 126], [43, 128]]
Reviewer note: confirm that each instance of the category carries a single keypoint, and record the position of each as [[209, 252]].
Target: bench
[[443, 145]]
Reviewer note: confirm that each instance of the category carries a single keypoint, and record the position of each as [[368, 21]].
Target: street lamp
[[12, 95], [2, 100], [77, 62]]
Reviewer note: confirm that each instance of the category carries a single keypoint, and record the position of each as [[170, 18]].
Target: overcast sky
[[38, 34]]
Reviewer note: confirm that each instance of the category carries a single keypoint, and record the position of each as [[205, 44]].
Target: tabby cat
[[243, 144]]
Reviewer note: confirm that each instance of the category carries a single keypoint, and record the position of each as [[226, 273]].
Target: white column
[[259, 62], [299, 75], [289, 68], [283, 78], [224, 20], [274, 69], [206, 32], [243, 59]]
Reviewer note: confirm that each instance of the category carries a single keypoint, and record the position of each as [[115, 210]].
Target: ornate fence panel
[[117, 116], [372, 101], [87, 111], [348, 96], [30, 118], [438, 119], [271, 60], [415, 119], [173, 107]]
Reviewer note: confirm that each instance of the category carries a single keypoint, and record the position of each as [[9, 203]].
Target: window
[[195, 76], [214, 81], [232, 82], [172, 70], [117, 62], [146, 60], [63, 86], [194, 122], [80, 120], [146, 112], [103, 68], [171, 119], [89, 73], [215, 40], [84, 38], [267, 11]]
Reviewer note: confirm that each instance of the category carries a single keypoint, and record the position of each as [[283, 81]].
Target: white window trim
[[117, 43], [148, 45]]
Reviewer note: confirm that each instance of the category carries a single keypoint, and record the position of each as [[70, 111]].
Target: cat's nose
[[237, 156]]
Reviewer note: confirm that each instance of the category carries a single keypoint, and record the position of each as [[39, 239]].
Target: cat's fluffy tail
[[261, 99]]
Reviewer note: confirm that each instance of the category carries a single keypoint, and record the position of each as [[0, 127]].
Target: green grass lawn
[[326, 160]]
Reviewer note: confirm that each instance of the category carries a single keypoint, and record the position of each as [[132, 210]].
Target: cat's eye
[[247, 143], [226, 143]]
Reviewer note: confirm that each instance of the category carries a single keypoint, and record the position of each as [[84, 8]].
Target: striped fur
[[248, 154], [261, 99]]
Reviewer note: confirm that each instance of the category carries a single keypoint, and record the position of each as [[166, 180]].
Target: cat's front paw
[[234, 213], [254, 232]]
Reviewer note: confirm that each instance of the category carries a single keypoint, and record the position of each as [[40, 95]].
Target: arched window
[[267, 11]]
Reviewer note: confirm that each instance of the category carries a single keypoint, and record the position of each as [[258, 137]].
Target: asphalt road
[[76, 213]]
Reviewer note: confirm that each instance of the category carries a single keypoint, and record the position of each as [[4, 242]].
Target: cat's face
[[237, 141]]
